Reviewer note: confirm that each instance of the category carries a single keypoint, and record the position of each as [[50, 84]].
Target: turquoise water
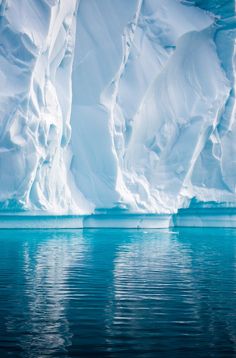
[[118, 293]]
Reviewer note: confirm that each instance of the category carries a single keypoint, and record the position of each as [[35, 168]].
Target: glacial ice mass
[[124, 106]]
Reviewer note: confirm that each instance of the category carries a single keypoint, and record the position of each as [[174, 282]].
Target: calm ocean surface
[[118, 293]]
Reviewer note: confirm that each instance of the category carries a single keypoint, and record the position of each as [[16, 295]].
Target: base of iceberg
[[205, 217], [197, 217], [131, 221], [8, 221]]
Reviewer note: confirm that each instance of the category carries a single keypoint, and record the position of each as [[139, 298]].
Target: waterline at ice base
[[117, 113]]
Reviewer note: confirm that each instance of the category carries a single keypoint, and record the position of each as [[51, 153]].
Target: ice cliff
[[117, 105]]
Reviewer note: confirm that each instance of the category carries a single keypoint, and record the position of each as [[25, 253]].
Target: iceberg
[[117, 106], [36, 56]]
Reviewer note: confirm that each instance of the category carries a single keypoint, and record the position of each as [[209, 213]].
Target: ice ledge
[[131, 221], [8, 221], [204, 217], [137, 221]]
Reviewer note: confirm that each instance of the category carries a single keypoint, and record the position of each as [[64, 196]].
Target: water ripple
[[118, 293]]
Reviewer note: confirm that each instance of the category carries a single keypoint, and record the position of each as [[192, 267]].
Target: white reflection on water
[[46, 269], [145, 272], [108, 290], [160, 283]]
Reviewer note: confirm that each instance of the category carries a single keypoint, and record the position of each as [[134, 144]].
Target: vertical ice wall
[[214, 173], [36, 53], [149, 123], [149, 90]]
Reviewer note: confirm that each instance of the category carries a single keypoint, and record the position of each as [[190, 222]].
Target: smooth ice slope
[[117, 105]]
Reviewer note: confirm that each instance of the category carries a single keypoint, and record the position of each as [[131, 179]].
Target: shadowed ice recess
[[118, 293]]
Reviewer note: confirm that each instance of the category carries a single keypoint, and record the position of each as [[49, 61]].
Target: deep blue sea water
[[118, 293]]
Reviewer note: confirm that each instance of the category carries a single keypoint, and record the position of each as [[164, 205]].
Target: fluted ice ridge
[[121, 105], [36, 56]]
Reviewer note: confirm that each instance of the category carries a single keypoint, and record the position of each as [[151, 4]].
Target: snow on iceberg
[[37, 46], [116, 105]]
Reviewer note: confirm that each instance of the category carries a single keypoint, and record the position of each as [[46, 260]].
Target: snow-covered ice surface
[[117, 106], [36, 55]]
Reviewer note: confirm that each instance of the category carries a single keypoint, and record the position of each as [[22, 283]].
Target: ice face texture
[[36, 55], [121, 105]]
